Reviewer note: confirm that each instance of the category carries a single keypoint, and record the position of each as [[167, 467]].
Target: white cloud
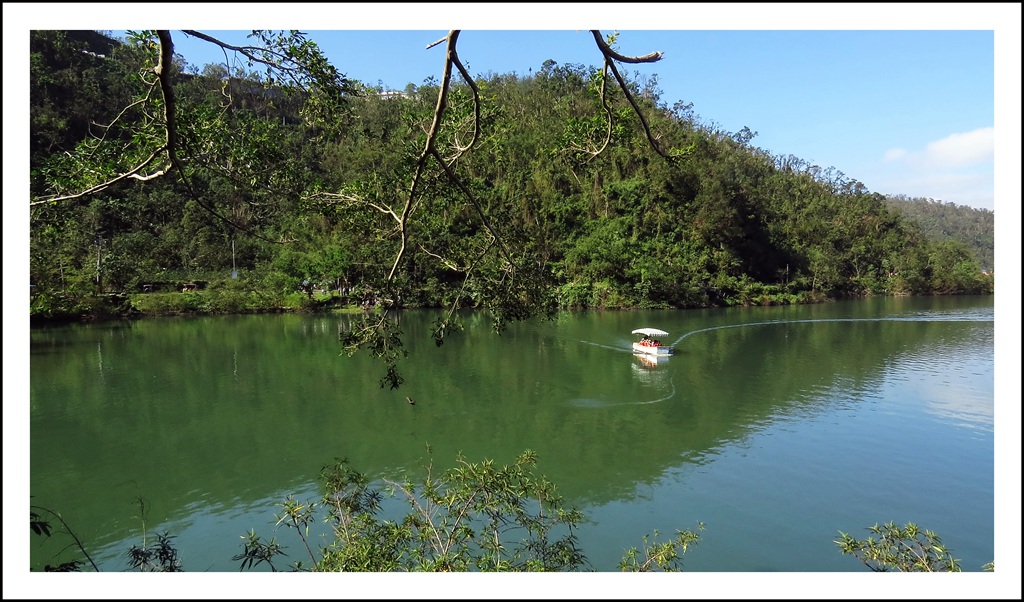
[[956, 169], [961, 150], [954, 151], [974, 189]]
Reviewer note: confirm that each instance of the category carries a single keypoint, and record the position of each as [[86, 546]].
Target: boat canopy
[[650, 332]]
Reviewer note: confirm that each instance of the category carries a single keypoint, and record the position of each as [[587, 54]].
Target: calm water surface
[[775, 427]]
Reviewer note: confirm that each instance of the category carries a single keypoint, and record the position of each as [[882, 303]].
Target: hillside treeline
[[290, 204], [941, 221]]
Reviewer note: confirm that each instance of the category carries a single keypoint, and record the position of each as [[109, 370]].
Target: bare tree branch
[[476, 101], [430, 150], [608, 52], [448, 263], [133, 173], [344, 197], [170, 145], [430, 146], [607, 112], [279, 60], [610, 56], [106, 128], [163, 74]]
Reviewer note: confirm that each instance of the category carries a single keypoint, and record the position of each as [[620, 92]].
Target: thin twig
[[69, 531]]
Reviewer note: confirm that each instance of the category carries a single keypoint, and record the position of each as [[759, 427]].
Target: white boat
[[648, 344]]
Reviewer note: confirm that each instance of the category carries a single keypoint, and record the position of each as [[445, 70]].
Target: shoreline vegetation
[[227, 297]]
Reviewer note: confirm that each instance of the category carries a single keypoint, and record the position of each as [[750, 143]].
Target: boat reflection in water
[[649, 362], [650, 369]]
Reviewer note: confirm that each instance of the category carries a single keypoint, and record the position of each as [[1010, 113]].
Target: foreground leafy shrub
[[907, 548], [473, 517]]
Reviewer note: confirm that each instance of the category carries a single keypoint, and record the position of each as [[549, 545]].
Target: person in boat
[[646, 340], [656, 343]]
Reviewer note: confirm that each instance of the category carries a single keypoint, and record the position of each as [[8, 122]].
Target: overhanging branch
[[610, 56]]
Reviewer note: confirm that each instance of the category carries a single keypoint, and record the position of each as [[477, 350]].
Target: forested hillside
[[547, 192], [941, 221]]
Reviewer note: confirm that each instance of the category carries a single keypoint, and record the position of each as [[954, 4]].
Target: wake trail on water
[[810, 321], [671, 383], [596, 403], [775, 322], [612, 347]]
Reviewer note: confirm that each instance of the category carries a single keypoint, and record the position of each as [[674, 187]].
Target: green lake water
[[776, 427]]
